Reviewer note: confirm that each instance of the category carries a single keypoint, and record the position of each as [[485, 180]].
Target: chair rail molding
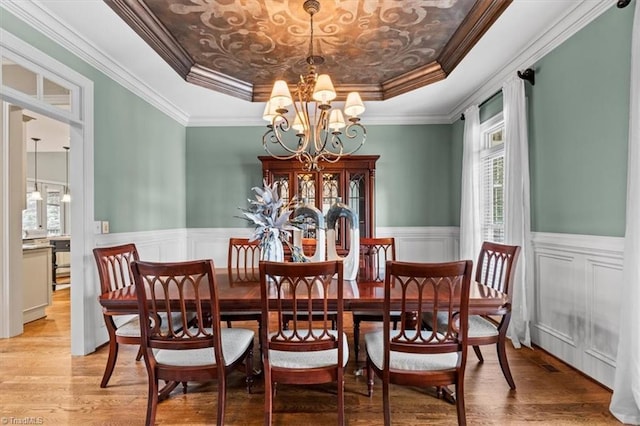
[[413, 244], [577, 283]]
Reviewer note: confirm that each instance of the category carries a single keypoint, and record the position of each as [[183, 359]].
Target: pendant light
[[66, 198], [35, 195]]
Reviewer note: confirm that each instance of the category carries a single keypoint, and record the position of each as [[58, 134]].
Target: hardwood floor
[[41, 382]]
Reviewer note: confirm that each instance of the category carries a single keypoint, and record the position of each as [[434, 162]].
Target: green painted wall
[[413, 178], [139, 151], [490, 107], [222, 167], [579, 122], [578, 131], [457, 139]]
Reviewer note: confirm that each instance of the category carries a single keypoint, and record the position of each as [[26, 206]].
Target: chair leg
[[462, 415], [228, 324], [111, 362], [341, 397], [369, 378], [268, 397], [222, 397], [385, 402], [476, 349], [152, 401], [248, 363], [140, 353], [504, 363], [356, 336]]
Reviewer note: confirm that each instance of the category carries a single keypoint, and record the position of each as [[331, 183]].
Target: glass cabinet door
[[356, 198], [282, 181], [331, 191], [307, 188]]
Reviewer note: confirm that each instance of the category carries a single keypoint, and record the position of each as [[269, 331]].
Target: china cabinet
[[351, 180]]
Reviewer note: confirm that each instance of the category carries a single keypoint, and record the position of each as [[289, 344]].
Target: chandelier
[[314, 131]]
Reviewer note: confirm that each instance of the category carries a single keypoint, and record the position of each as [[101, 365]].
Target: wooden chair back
[[243, 259], [496, 265], [447, 284], [191, 288], [300, 290], [114, 266], [374, 253]]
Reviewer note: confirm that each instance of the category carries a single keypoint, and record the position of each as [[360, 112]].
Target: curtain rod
[[527, 75], [484, 102]]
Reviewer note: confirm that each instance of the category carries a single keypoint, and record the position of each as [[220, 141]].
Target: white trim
[[81, 178], [580, 244], [577, 294], [202, 121], [565, 27], [41, 19]]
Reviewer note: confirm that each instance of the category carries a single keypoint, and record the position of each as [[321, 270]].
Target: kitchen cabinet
[[36, 280]]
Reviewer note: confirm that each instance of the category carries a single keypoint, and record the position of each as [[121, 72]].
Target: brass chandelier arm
[[317, 126]]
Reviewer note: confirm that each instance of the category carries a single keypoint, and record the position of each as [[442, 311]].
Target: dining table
[[242, 296], [236, 296]]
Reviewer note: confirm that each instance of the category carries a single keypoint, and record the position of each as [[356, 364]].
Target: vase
[[351, 262], [271, 249]]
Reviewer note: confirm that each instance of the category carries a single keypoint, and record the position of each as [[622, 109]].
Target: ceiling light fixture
[[35, 195], [318, 128], [66, 197]]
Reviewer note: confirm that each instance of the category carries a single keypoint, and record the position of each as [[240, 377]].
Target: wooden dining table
[[357, 295]]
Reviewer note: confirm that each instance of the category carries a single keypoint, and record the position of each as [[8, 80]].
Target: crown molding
[[42, 20], [565, 27], [204, 121]]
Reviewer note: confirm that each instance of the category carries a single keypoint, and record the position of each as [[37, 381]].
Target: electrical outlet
[[105, 226]]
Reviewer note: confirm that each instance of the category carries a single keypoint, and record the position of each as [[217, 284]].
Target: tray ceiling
[[382, 48]]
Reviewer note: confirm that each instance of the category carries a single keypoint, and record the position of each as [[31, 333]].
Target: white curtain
[[470, 235], [516, 209], [625, 403]]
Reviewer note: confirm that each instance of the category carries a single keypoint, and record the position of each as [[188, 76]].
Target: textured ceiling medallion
[[380, 48]]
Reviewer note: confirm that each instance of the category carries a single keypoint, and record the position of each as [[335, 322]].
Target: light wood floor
[[40, 381]]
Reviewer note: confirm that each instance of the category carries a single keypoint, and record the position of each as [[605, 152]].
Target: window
[[49, 214], [492, 179]]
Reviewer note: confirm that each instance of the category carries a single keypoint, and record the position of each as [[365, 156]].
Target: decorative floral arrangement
[[270, 215]]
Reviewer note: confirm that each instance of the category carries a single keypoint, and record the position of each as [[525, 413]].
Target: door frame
[[84, 306]]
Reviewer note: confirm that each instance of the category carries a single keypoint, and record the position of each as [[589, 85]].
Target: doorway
[[49, 75]]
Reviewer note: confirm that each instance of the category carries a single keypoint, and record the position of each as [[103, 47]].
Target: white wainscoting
[[576, 300], [156, 246], [424, 244], [417, 244]]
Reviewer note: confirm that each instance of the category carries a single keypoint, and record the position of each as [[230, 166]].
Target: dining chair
[[114, 272], [242, 267], [495, 268], [242, 260], [187, 349], [413, 356], [374, 253], [304, 353]]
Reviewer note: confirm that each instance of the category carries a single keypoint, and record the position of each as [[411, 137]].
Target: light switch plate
[[97, 227], [105, 226]]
